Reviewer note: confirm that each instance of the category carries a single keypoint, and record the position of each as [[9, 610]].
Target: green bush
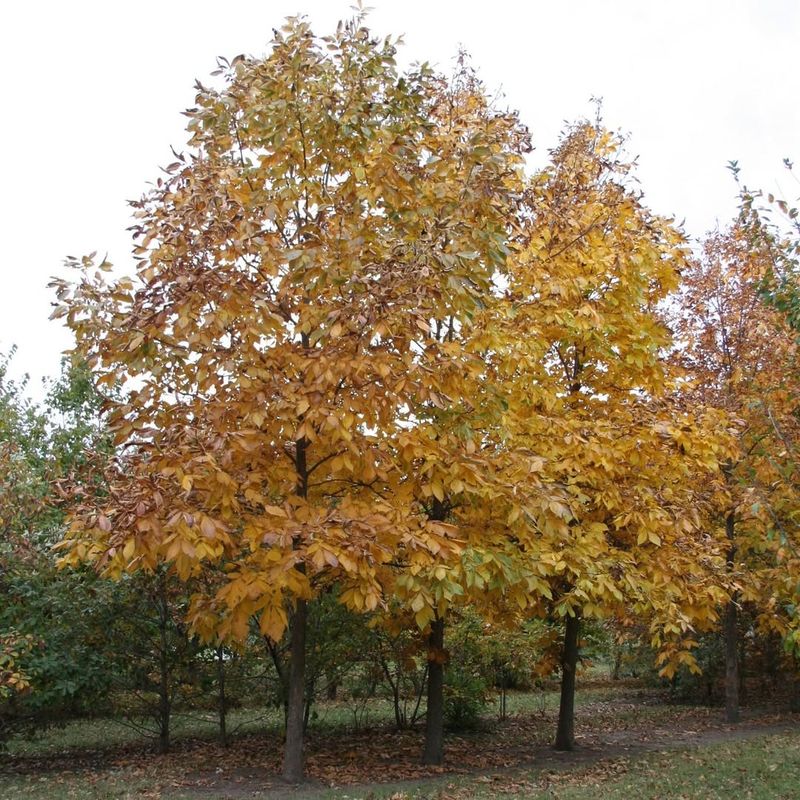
[[469, 673], [465, 696]]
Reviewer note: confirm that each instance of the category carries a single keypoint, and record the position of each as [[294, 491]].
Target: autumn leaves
[[364, 350]]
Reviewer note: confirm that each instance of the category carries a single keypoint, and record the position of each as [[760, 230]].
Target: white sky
[[92, 94]]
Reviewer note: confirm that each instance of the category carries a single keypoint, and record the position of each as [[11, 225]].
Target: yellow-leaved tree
[[457, 464], [300, 403], [593, 394], [742, 356]]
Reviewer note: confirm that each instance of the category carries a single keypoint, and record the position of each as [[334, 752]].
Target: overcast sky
[[92, 94]]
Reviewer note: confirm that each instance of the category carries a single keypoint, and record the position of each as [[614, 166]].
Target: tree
[[330, 212], [743, 358], [456, 459], [780, 232], [21, 489], [594, 395], [54, 623]]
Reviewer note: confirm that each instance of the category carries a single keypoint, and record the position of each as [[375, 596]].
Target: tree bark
[[394, 685], [731, 662], [771, 659], [731, 636], [222, 698], [615, 672], [293, 760], [794, 698], [164, 700], [565, 733], [293, 756], [503, 692], [434, 719], [742, 669], [332, 690], [309, 699]]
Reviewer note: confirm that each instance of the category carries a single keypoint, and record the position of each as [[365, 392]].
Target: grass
[[765, 769], [762, 768], [121, 786], [72, 766], [548, 699], [103, 733]]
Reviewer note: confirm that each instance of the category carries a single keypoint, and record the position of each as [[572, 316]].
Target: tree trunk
[[742, 669], [293, 766], [308, 703], [434, 719], [394, 685], [163, 720], [503, 693], [565, 734], [332, 690], [771, 659], [293, 760], [731, 662], [164, 704], [399, 720], [731, 637], [280, 671], [222, 697], [615, 672], [794, 699], [420, 691]]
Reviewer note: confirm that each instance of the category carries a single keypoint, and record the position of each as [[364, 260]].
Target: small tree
[[743, 358], [593, 395], [53, 624]]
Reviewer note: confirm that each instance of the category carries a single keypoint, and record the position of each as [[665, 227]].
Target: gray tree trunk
[[434, 719], [565, 733], [731, 629], [293, 760]]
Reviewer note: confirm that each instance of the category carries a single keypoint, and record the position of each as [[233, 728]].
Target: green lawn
[[762, 768], [70, 762], [103, 733], [766, 768]]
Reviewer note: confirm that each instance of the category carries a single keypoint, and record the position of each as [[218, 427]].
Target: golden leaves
[[742, 360], [326, 384], [272, 622], [275, 511]]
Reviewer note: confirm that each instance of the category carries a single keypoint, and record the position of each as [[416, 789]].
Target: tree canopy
[[368, 358]]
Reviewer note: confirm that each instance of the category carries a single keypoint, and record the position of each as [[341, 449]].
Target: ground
[[630, 744]]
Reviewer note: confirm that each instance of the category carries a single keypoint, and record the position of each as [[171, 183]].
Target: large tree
[[295, 334]]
